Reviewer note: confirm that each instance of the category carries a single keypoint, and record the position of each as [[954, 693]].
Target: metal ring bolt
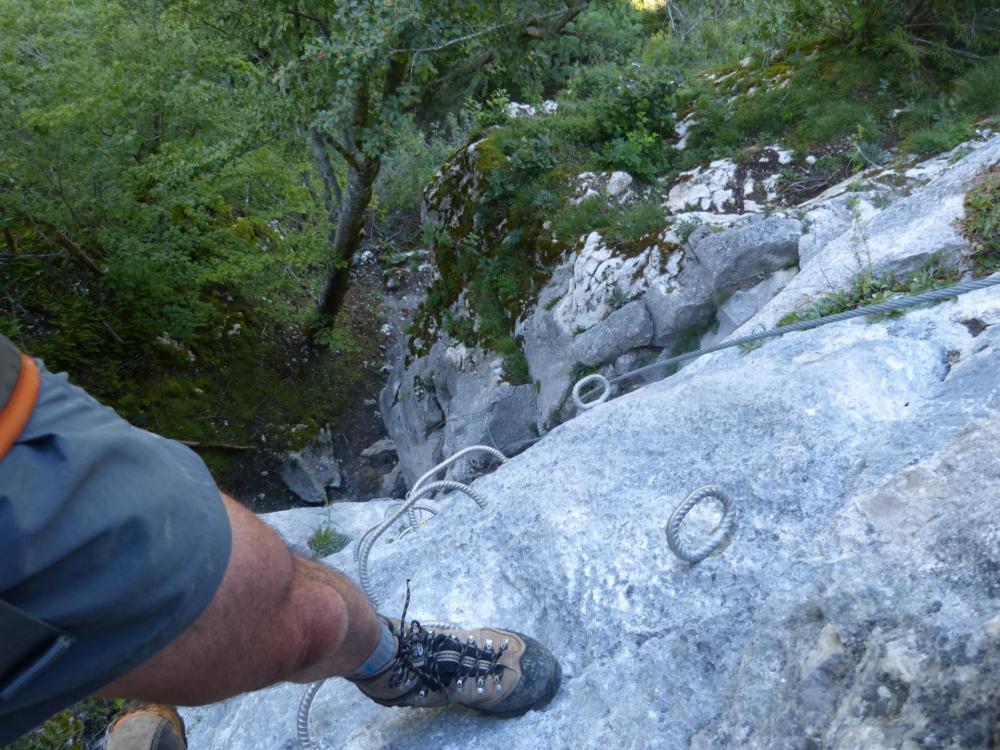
[[605, 391], [725, 527]]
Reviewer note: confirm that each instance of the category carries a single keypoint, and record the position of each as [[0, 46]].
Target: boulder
[[680, 304], [418, 448], [313, 472], [393, 482], [455, 396], [826, 221], [747, 254], [625, 329], [619, 183], [547, 347], [744, 303], [379, 448], [599, 275]]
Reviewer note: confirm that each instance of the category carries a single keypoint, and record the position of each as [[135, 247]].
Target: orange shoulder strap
[[16, 413]]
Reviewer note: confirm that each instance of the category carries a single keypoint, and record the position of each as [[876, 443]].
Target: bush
[[978, 91], [942, 136], [575, 221], [637, 222], [410, 165]]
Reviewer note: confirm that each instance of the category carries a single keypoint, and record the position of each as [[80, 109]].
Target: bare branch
[[341, 149], [960, 52], [331, 185], [305, 287], [216, 446], [324, 27], [520, 22]]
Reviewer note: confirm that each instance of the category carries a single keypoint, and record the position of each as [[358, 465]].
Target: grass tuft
[[326, 540]]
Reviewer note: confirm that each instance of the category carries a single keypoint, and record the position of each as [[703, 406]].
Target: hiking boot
[[147, 727], [499, 672]]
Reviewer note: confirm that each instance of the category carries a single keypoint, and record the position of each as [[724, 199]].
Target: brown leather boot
[[499, 672], [147, 727]]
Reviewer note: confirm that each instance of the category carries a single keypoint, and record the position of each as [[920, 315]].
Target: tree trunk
[[357, 195]]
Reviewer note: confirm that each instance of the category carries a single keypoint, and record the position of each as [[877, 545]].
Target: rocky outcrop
[[464, 383], [854, 605], [704, 276]]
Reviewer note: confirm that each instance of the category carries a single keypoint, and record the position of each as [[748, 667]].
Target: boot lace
[[436, 660]]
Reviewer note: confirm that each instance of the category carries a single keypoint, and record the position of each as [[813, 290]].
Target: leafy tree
[[349, 73], [135, 161]]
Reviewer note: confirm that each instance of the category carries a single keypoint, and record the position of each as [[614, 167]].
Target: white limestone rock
[[855, 604], [901, 237], [618, 183], [598, 272], [703, 189]]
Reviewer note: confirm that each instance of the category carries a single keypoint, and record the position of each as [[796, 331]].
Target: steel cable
[[935, 295]]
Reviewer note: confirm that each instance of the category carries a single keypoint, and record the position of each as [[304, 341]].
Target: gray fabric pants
[[112, 542]]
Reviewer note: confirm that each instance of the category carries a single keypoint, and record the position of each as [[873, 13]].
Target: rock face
[[464, 383], [856, 604], [707, 274]]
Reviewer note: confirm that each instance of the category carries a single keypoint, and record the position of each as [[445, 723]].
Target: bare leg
[[276, 617]]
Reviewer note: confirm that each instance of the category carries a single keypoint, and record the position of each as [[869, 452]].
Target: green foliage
[[617, 299], [938, 34], [577, 220], [686, 228], [580, 370], [637, 223], [163, 240], [410, 164], [515, 364], [942, 136], [978, 91], [326, 540], [71, 729], [981, 224]]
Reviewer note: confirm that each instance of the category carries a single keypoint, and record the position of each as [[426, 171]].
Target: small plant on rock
[[868, 288], [685, 228], [326, 540], [981, 225], [617, 299]]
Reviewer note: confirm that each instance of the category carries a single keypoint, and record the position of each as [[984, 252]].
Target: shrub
[[574, 221], [943, 136], [869, 288], [637, 222], [978, 91], [515, 364]]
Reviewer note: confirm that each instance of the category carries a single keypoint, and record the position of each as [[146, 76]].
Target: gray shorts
[[112, 542]]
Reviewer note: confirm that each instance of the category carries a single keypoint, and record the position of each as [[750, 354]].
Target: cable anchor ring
[[605, 391], [719, 534]]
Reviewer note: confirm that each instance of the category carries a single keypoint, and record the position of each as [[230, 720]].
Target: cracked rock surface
[[857, 603]]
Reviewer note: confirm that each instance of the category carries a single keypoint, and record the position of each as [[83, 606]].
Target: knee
[[321, 616]]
